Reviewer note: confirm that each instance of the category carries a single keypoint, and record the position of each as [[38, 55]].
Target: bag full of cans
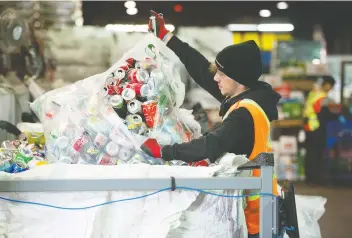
[[104, 119]]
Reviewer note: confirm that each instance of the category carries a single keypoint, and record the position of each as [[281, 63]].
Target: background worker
[[316, 115], [247, 108]]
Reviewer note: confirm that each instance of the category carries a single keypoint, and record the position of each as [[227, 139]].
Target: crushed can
[[18, 167], [24, 154], [32, 138], [142, 90]]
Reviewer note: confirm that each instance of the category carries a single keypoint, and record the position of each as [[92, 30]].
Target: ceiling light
[[282, 5], [131, 11], [284, 27], [242, 27], [130, 4], [133, 28], [264, 13]]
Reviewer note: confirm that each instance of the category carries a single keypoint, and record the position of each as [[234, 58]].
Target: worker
[[316, 115], [247, 107]]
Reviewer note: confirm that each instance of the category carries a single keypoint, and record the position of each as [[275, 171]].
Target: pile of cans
[[20, 155], [132, 90]]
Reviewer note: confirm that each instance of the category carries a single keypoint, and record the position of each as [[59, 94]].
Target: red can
[[119, 88], [106, 159], [131, 62], [202, 163], [108, 90], [138, 75], [149, 112]]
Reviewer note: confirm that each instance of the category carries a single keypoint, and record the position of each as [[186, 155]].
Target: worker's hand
[[152, 148], [161, 30]]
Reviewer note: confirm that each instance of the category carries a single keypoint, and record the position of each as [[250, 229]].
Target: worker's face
[[327, 87], [227, 85]]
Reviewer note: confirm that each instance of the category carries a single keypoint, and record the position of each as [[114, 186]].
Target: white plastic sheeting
[[166, 214]]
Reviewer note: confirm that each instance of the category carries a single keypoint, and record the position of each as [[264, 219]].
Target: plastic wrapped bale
[[144, 89]]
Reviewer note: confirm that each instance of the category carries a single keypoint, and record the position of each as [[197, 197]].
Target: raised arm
[[196, 64]]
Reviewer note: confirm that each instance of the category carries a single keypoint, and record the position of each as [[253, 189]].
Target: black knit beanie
[[241, 62]]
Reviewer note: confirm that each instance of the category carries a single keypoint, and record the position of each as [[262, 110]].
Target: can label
[[17, 167], [80, 142], [32, 138], [149, 109], [105, 159], [24, 155], [134, 106], [116, 101], [138, 75], [128, 94]]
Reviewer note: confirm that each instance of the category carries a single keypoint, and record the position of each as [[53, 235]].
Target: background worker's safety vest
[[311, 109], [261, 144]]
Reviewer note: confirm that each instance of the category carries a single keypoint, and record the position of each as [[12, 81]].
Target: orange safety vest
[[262, 143]]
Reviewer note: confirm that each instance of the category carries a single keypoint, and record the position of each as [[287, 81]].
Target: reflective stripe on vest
[[309, 112], [262, 143]]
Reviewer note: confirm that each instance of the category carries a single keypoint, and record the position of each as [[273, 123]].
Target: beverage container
[[149, 109]]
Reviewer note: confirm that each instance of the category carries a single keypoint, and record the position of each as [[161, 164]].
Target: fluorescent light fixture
[[282, 5], [264, 13], [131, 11], [242, 27], [316, 61], [133, 28], [284, 27], [130, 4], [277, 27]]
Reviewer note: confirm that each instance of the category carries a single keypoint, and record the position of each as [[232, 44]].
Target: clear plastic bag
[[104, 119]]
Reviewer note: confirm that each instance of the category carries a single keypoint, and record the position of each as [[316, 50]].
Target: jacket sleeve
[[197, 66], [234, 135]]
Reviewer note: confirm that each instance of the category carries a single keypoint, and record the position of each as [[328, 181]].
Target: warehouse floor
[[337, 219]]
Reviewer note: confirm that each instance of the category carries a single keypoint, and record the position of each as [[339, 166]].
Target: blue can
[[18, 167]]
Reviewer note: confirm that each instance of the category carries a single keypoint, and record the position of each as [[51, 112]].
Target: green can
[[24, 155]]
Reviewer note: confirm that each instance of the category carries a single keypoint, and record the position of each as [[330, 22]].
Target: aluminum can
[[134, 121], [134, 106], [116, 101], [138, 75], [128, 94], [149, 109]]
